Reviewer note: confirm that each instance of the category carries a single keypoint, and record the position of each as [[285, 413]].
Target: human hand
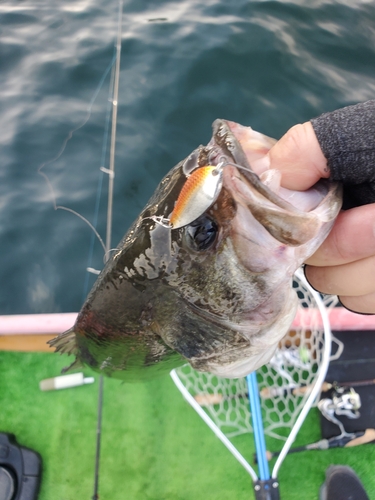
[[344, 265]]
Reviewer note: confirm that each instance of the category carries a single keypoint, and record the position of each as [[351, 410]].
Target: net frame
[[301, 360]]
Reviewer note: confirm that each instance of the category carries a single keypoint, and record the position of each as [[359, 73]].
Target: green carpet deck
[[154, 446]]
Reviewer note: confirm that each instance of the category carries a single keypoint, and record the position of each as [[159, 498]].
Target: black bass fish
[[204, 274]]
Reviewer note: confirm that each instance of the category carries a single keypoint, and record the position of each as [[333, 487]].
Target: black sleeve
[[347, 139]]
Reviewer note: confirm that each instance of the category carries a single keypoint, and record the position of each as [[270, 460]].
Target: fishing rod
[[300, 390], [346, 441], [207, 399], [344, 402], [111, 176]]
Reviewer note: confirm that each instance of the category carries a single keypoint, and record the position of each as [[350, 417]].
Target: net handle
[[258, 431], [321, 376]]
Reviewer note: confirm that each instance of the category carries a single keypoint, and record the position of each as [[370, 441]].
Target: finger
[[353, 279], [364, 304], [299, 158], [352, 238]]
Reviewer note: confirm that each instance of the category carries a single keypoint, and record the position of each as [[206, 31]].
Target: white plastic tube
[[64, 382]]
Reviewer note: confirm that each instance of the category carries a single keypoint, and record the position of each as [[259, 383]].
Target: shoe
[[342, 483]]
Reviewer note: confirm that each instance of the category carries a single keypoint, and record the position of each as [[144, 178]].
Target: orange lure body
[[198, 193]]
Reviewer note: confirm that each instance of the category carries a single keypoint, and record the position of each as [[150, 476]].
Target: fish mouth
[[232, 151], [283, 220]]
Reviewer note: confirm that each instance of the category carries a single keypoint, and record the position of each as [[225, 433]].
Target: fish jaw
[[254, 145], [291, 217]]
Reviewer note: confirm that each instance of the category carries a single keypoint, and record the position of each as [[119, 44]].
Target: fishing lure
[[199, 192]]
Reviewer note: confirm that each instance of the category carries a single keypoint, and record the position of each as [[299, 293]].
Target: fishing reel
[[344, 401], [20, 470]]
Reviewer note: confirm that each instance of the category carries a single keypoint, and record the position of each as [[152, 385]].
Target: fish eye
[[201, 234]]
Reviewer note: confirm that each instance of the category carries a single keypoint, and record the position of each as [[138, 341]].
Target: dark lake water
[[268, 64]]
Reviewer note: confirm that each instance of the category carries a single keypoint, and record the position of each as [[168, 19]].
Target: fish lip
[[226, 141]]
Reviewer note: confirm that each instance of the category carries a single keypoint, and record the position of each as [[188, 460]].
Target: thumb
[[299, 158]]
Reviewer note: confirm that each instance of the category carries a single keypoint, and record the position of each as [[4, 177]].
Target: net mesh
[[284, 383]]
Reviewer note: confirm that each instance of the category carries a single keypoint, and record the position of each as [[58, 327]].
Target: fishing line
[[62, 149], [192, 203]]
